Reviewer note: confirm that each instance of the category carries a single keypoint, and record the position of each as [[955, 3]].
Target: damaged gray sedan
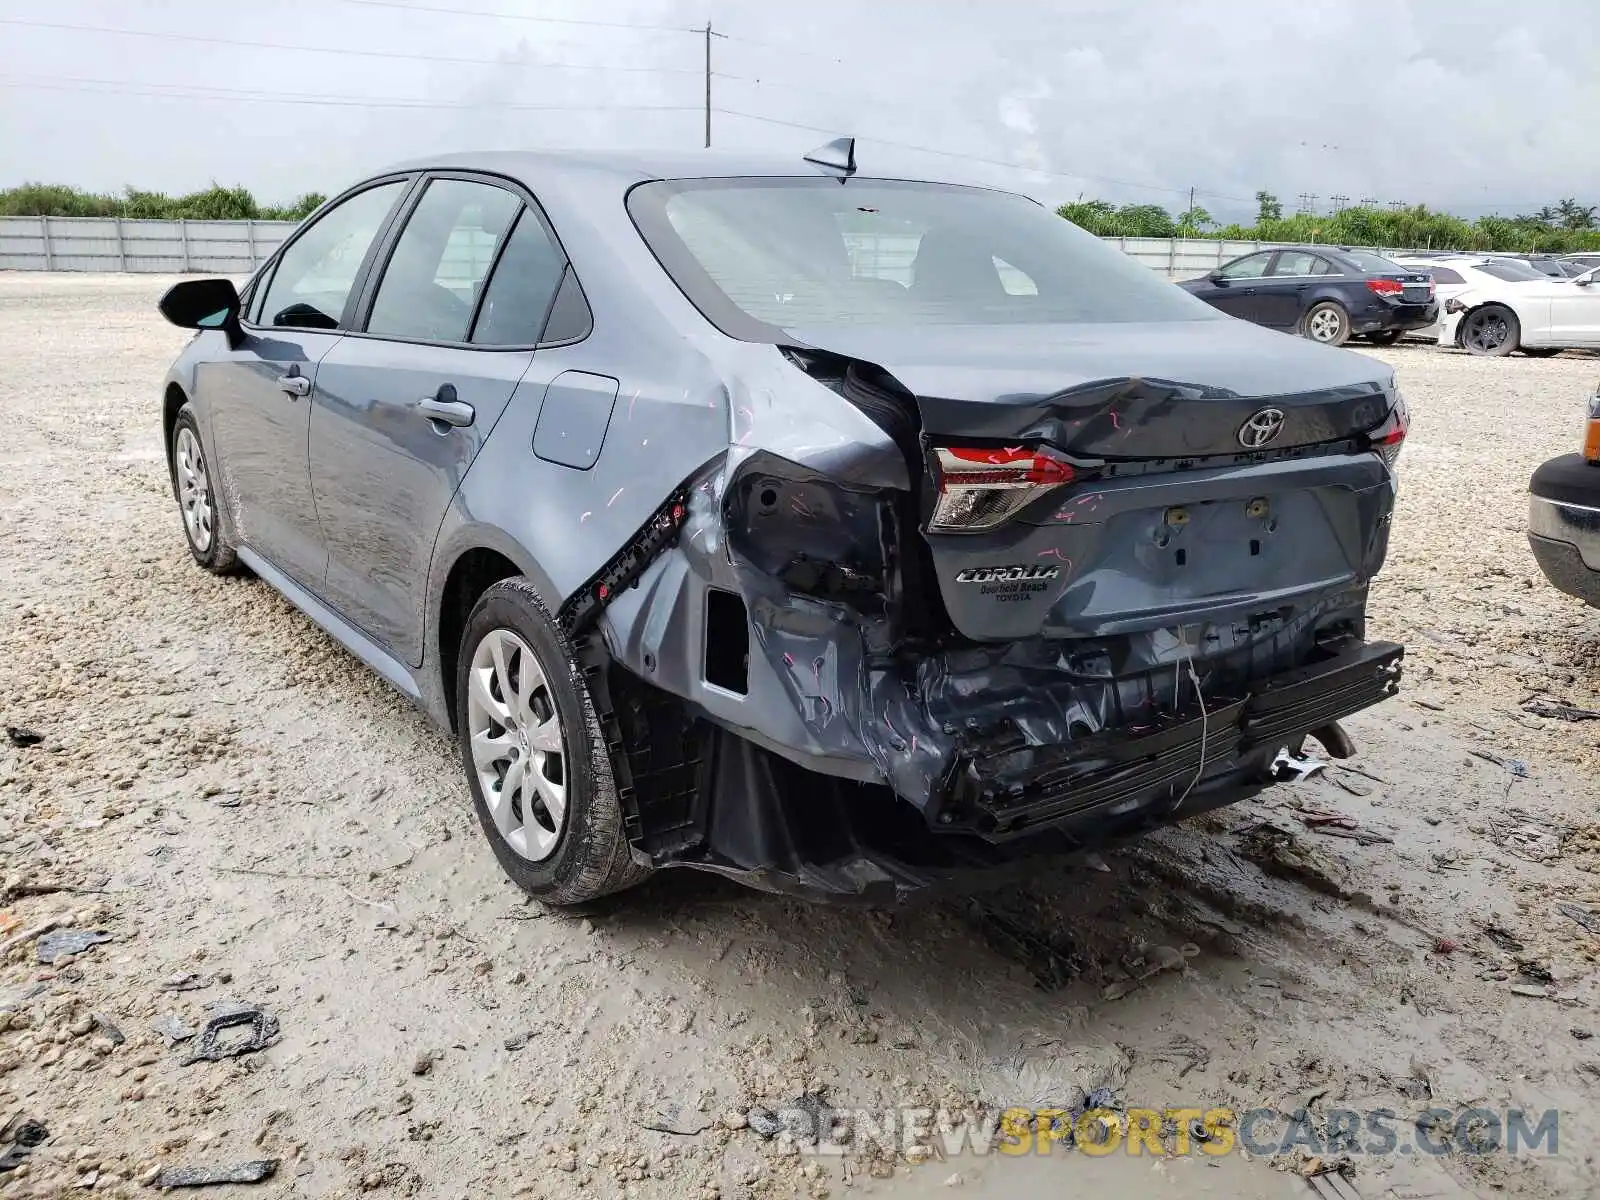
[[848, 536]]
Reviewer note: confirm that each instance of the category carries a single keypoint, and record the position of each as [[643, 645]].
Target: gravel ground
[[251, 817]]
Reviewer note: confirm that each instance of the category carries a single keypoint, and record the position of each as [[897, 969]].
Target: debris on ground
[[1445, 945], [1151, 961], [256, 1170], [1583, 916], [1278, 852], [1291, 768], [22, 736], [260, 1031], [172, 1028], [189, 982], [1185, 1050], [1526, 836], [1561, 712], [1502, 937], [1515, 765], [1341, 825], [63, 943], [106, 1029], [674, 1119], [18, 1138], [8, 920], [805, 1119]]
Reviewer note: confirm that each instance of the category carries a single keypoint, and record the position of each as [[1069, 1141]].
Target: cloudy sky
[[1469, 105]]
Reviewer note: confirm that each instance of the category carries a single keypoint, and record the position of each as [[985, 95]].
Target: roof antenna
[[838, 155]]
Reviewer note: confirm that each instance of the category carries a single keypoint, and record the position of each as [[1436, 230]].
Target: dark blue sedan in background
[[1326, 293]]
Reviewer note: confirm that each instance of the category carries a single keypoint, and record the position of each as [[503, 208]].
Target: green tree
[[1268, 207]]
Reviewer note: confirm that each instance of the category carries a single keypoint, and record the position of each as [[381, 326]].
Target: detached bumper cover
[[1011, 793], [699, 796]]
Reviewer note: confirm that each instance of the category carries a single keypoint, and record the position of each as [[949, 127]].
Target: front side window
[[524, 283], [1251, 266], [431, 284], [315, 274], [759, 255]]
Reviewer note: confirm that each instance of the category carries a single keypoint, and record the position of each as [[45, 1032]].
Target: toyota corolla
[[845, 535]]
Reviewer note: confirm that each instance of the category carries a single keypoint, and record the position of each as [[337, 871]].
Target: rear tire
[[1384, 337], [1490, 332], [535, 758], [1326, 323], [205, 525]]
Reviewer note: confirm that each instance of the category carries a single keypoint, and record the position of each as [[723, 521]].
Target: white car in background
[[1539, 317], [1456, 274]]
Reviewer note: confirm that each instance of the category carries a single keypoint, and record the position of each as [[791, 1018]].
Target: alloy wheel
[[1486, 331], [1324, 326], [194, 490], [518, 748]]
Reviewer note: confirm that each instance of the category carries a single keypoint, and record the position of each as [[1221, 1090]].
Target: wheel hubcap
[[518, 748], [1325, 326], [194, 490]]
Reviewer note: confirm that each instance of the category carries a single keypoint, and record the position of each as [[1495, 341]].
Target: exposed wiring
[[1205, 727]]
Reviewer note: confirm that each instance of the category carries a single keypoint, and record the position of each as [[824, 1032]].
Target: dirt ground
[[251, 817]]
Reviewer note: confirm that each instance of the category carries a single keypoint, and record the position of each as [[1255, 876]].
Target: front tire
[[1490, 332], [204, 526], [534, 755], [1327, 323]]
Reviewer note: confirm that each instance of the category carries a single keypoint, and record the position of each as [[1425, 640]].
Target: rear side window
[[1446, 275], [1372, 263], [1296, 262], [1510, 271], [432, 282], [524, 283], [763, 254], [315, 274]]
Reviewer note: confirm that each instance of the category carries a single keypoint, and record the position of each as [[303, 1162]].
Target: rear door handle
[[446, 409], [295, 385]]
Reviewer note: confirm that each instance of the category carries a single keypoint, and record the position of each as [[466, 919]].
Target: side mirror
[[203, 304], [1218, 278]]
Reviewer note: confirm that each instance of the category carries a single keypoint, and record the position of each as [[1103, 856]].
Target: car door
[[1280, 296], [404, 404], [1232, 288], [258, 394], [1575, 313]]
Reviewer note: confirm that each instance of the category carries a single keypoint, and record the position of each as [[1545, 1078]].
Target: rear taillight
[[980, 488], [1389, 438], [1591, 430], [1386, 287]]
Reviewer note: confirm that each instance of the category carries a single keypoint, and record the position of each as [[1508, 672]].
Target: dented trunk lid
[[1174, 517]]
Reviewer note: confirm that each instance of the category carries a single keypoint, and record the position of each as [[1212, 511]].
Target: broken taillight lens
[[1389, 438], [1591, 430], [980, 488]]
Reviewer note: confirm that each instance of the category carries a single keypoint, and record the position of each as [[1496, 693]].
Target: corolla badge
[[1261, 428]]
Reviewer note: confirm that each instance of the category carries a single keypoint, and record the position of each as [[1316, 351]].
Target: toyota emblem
[[1261, 428]]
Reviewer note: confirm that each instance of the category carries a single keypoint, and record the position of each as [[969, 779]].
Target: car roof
[[627, 167]]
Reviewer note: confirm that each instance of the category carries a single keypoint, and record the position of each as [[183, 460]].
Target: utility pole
[[708, 83], [1190, 220]]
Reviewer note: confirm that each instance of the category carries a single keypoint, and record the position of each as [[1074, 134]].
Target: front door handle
[[445, 409], [295, 385]]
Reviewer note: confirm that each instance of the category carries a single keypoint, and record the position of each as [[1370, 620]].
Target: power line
[[342, 50], [200, 92], [993, 162], [505, 16]]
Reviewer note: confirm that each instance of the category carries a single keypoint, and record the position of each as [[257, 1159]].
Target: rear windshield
[[759, 255], [1374, 262], [1511, 270]]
